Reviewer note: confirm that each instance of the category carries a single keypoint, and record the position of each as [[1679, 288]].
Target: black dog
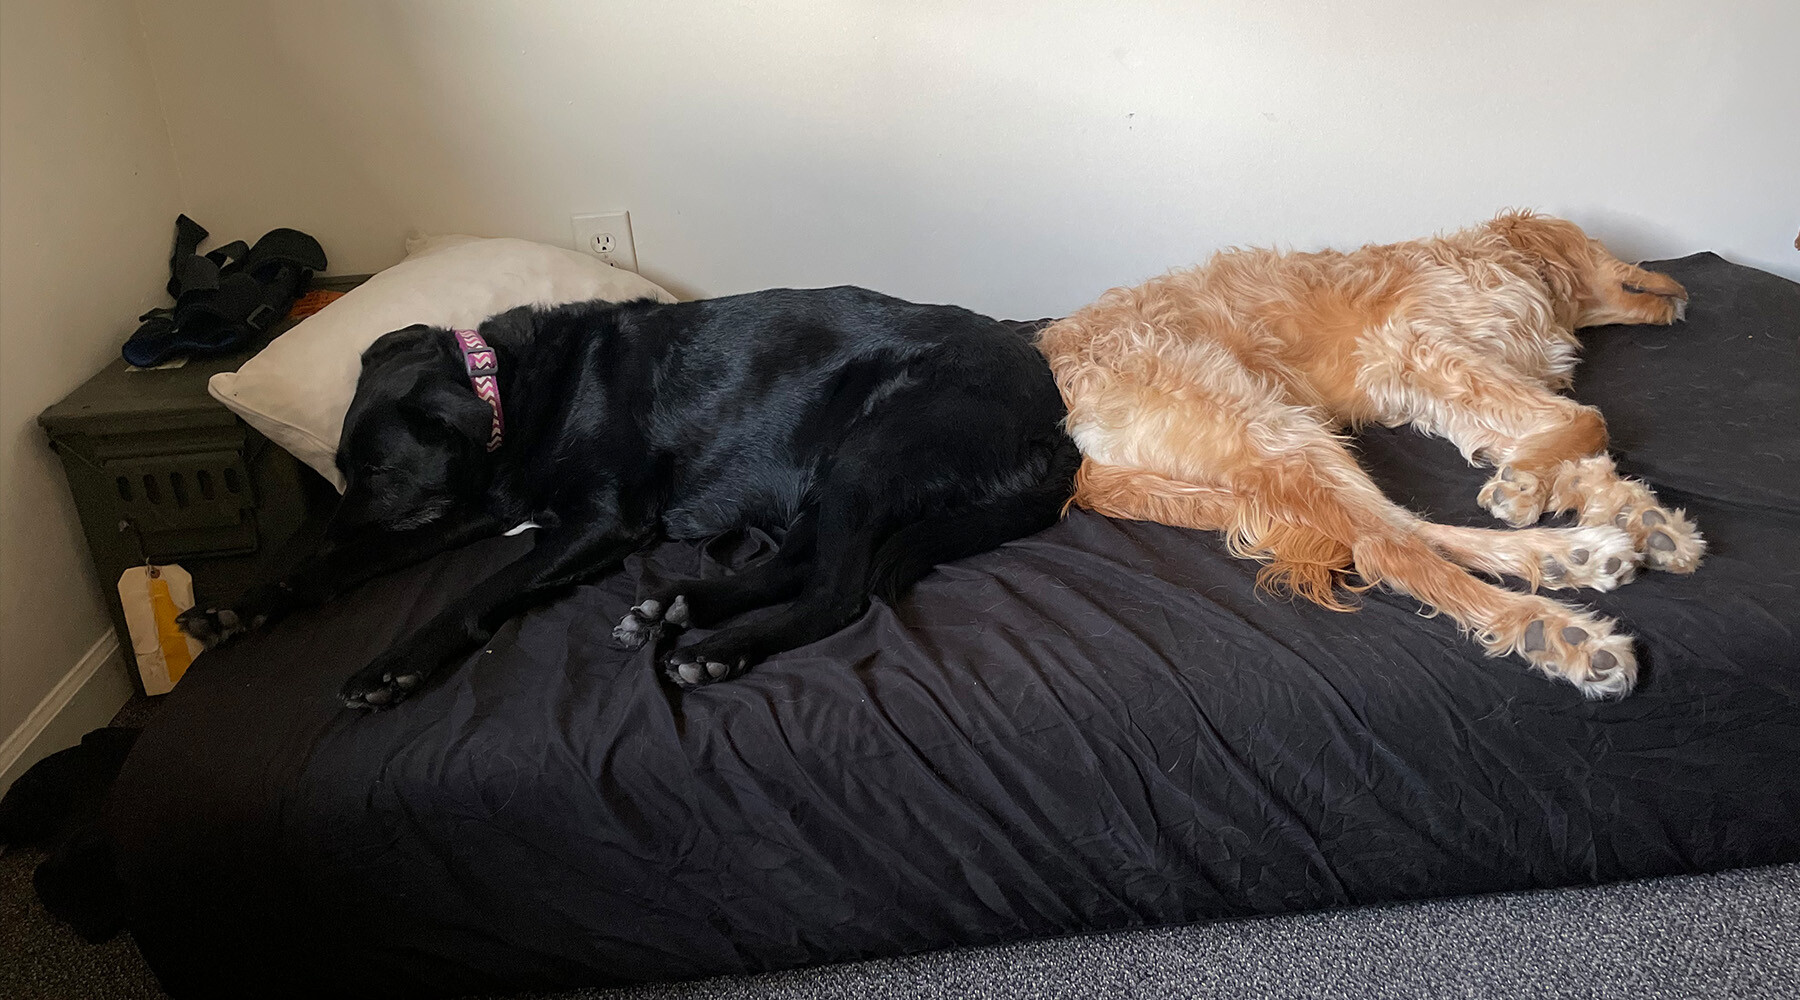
[[884, 437]]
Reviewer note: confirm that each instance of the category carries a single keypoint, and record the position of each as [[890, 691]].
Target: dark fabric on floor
[[1103, 726], [42, 958]]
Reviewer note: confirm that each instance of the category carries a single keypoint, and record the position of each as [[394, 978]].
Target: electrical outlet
[[607, 237]]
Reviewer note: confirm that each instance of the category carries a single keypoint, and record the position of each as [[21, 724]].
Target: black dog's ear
[[454, 405], [399, 341]]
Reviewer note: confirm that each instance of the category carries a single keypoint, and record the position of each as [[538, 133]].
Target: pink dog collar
[[484, 374]]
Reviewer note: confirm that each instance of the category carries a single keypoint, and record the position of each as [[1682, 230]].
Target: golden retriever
[[1215, 398]]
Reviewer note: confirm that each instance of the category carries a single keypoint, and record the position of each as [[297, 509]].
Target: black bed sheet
[[1099, 727]]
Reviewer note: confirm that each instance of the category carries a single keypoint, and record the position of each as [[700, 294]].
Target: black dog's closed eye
[[885, 437]]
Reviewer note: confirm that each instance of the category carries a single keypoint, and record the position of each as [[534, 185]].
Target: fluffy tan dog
[[1214, 398]]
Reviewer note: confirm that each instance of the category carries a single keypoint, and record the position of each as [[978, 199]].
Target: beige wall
[[88, 197], [1017, 157]]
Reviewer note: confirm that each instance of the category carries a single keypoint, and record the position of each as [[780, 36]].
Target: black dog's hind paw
[[379, 685], [646, 623], [691, 668], [215, 625]]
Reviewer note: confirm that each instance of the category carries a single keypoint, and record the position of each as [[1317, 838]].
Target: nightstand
[[162, 471]]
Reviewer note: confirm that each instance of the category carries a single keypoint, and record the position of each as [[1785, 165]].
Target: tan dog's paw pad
[[1599, 558], [1666, 538], [1514, 496], [1582, 650]]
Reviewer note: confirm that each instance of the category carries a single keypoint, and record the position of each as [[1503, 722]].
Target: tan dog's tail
[[1297, 559]]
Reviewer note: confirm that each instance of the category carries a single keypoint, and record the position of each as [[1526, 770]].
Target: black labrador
[[879, 436]]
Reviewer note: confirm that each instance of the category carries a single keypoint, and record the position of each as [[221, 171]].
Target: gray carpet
[[1733, 935]]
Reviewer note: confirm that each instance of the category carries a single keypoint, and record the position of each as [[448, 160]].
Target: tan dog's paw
[[1597, 558], [1666, 538], [1656, 298], [1514, 496], [1578, 647]]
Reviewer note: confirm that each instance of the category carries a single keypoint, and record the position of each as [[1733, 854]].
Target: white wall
[[88, 197], [1014, 157]]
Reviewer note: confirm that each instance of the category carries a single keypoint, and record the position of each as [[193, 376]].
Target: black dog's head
[[415, 437]]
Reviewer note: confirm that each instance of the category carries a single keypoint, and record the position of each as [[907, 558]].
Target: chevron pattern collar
[[484, 374]]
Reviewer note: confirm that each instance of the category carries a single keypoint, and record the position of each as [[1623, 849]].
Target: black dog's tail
[[913, 549]]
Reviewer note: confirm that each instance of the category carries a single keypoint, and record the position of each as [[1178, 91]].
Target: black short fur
[[881, 436]]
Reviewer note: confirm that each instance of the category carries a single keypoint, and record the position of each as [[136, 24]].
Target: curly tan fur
[[1215, 397]]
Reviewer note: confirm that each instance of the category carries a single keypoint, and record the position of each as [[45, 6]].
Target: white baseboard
[[87, 697]]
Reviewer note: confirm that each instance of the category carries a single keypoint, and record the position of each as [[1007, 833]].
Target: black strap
[[236, 250], [188, 237]]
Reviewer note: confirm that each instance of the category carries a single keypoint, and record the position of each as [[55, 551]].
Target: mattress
[[1102, 726]]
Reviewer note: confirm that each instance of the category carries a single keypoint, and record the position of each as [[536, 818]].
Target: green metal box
[[161, 470]]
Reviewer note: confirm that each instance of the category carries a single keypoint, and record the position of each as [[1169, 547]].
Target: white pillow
[[296, 390]]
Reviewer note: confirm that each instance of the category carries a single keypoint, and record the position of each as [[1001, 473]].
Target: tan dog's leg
[[1550, 452], [1595, 558], [1198, 430]]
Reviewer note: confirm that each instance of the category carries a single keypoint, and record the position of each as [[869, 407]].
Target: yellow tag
[[153, 596]]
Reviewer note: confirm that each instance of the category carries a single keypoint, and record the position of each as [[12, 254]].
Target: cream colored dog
[[1213, 398]]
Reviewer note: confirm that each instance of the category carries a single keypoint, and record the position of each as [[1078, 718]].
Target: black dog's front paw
[[213, 626], [646, 623], [694, 667], [381, 684]]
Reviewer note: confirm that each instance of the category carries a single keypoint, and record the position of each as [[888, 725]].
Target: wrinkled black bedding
[[1098, 727]]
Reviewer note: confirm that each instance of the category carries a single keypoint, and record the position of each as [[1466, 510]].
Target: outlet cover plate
[[606, 235]]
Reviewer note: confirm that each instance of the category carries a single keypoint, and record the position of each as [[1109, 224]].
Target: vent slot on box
[[169, 492]]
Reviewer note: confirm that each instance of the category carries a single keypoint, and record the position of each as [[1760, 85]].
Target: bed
[[1102, 726]]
